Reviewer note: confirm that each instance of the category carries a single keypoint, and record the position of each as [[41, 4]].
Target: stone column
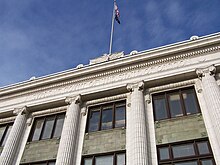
[[67, 151], [8, 154], [211, 92], [136, 144]]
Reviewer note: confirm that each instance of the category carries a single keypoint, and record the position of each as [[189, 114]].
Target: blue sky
[[40, 37]]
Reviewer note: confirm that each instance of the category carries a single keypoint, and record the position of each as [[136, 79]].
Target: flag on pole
[[117, 14]]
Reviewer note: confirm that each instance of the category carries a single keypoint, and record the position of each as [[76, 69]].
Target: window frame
[[197, 157], [114, 154], [180, 93], [99, 108], [5, 132], [47, 162], [56, 116]]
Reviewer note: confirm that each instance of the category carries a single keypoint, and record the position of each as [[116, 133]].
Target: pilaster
[[136, 127]]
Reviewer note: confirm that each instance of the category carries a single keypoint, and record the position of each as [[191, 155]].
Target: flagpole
[[112, 30]]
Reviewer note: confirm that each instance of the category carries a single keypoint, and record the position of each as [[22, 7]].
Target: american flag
[[117, 14]]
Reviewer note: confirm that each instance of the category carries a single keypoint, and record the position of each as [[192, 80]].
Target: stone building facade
[[160, 106]]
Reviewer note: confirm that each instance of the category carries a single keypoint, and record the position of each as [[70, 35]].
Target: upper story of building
[[109, 75], [159, 106]]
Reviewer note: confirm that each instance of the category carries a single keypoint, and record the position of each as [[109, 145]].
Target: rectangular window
[[4, 133], [195, 152], [47, 127], [105, 159], [107, 116], [176, 103]]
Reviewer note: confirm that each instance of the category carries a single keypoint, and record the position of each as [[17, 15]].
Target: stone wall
[[40, 150], [104, 141], [180, 129]]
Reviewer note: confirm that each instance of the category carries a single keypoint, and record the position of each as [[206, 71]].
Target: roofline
[[160, 51]]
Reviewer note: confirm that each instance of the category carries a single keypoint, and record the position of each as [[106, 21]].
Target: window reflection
[[183, 150], [107, 117], [190, 102], [37, 129], [94, 121], [175, 105], [59, 126], [120, 116], [104, 160], [48, 128], [160, 108], [120, 159]]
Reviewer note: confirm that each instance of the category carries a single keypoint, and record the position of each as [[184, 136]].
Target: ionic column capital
[[202, 72], [139, 86], [73, 99], [22, 110]]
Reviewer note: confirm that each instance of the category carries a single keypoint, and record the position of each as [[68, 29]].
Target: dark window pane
[[120, 159], [59, 126], [6, 135], [190, 102], [107, 118], [94, 121], [51, 163], [2, 130], [37, 129], [87, 161], [187, 163], [164, 153], [160, 108], [120, 116], [203, 148], [39, 164], [207, 162], [183, 150], [175, 105], [48, 128], [104, 160]]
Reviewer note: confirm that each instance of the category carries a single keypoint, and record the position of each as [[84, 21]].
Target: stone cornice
[[49, 111], [150, 63], [106, 99], [152, 59], [172, 86], [7, 120], [121, 74]]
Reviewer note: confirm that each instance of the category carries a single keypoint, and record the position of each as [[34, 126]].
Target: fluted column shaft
[[66, 151], [136, 127], [9, 151], [211, 92]]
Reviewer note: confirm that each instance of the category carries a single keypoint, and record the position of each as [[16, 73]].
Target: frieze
[[149, 67]]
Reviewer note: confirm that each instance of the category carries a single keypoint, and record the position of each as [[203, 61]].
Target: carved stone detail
[[139, 86], [106, 99], [84, 110], [201, 72], [172, 85], [149, 67], [49, 111], [7, 120], [76, 99], [148, 98], [22, 110]]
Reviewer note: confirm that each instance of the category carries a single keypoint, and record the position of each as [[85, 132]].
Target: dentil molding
[[115, 75]]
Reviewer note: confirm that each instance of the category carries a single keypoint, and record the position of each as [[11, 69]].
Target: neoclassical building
[[155, 107]]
